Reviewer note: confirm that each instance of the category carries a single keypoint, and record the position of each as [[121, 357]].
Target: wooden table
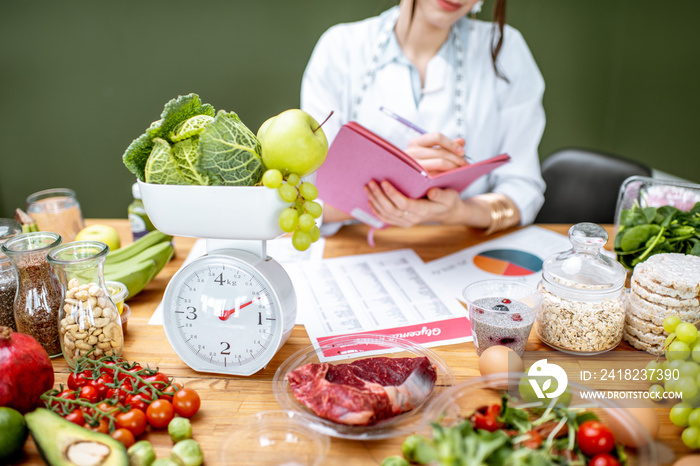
[[227, 399]]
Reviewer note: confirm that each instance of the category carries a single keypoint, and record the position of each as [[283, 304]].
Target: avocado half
[[62, 443]]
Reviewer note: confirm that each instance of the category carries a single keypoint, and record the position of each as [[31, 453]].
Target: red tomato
[[594, 437], [124, 436], [486, 418], [101, 385], [76, 417], [121, 393], [170, 391], [138, 401], [128, 374], [65, 394], [160, 413], [603, 459], [186, 402], [134, 420], [109, 370], [75, 381], [108, 408], [101, 427], [158, 380], [89, 393]]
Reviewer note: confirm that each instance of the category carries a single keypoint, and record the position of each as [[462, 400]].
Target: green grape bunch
[[300, 217], [680, 373]]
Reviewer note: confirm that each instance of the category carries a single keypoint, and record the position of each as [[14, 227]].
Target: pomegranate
[[25, 370]]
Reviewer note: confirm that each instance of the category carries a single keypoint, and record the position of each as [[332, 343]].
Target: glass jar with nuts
[[88, 321]]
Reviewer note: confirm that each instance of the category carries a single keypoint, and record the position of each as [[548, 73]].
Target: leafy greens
[[192, 145], [230, 152], [644, 231]]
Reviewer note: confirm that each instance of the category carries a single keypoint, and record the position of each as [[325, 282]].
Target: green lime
[[13, 432]]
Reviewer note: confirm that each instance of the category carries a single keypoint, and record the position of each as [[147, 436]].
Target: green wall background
[[80, 79]]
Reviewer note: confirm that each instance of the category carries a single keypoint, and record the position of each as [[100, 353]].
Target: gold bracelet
[[504, 212]]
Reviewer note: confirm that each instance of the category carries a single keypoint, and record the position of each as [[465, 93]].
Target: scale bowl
[[217, 212]]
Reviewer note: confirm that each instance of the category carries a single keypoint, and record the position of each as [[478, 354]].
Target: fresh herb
[[645, 231]]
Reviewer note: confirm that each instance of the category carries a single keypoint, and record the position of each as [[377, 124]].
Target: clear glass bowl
[[344, 350], [459, 402], [274, 438]]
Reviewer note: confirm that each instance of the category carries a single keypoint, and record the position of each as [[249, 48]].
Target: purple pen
[[410, 125], [402, 120]]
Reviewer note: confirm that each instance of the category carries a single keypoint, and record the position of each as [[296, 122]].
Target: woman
[[473, 85]]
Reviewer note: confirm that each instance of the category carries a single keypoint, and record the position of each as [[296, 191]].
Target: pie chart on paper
[[508, 262]]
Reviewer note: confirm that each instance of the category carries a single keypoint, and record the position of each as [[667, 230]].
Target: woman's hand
[[393, 208], [436, 152]]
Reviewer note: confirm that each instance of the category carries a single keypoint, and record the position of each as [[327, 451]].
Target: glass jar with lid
[[88, 321], [583, 311], [8, 276], [38, 291]]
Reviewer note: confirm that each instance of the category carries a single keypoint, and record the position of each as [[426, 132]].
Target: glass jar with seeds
[[8, 276], [38, 296], [584, 305], [88, 321]]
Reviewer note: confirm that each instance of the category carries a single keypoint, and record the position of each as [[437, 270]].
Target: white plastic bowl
[[217, 212]]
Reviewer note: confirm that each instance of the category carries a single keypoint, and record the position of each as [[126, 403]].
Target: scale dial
[[229, 312]]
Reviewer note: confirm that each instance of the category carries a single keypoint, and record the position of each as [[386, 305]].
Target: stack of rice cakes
[[663, 285]]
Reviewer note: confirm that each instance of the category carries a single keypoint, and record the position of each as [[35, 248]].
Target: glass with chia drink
[[501, 312]]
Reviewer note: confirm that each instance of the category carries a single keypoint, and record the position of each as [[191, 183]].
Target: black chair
[[583, 185]]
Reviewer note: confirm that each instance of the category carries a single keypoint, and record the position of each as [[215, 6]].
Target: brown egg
[[646, 417], [690, 460], [498, 359]]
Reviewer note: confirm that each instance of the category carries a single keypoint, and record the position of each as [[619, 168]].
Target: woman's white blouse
[[501, 116]]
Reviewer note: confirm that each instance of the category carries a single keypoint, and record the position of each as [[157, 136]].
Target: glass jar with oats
[[88, 321], [583, 311]]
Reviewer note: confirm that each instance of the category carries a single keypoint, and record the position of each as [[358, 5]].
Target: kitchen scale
[[231, 310]]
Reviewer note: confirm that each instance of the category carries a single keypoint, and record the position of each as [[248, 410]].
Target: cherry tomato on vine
[[129, 373], [102, 426], [89, 393], [186, 402], [101, 384], [124, 436], [594, 438], [108, 408], [170, 391], [159, 380], [134, 420], [65, 395], [160, 413], [110, 369], [122, 392], [603, 459], [138, 401], [76, 417], [80, 379]]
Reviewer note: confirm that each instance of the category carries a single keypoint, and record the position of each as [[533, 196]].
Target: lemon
[[13, 432]]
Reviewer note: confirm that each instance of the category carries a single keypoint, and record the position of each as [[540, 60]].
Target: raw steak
[[365, 391]]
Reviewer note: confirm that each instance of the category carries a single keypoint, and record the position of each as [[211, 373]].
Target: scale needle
[[226, 314]]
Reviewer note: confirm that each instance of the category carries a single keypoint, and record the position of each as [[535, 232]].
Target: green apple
[[104, 233], [293, 142]]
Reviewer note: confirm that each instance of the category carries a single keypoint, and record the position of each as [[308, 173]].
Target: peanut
[[90, 323]]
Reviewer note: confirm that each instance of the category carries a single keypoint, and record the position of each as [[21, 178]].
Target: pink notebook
[[358, 156]]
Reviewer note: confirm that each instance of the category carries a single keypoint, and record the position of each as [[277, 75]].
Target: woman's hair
[[499, 17]]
